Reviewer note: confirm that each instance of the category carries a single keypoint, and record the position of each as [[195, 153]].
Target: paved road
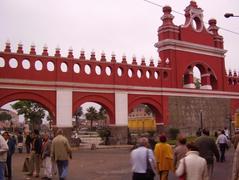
[[109, 164]]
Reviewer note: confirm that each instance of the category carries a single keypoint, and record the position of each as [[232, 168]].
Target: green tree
[[91, 115], [147, 109], [77, 115], [102, 115], [197, 83], [5, 116], [32, 111]]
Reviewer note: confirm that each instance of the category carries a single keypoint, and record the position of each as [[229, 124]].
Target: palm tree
[[77, 115], [102, 115], [91, 115]]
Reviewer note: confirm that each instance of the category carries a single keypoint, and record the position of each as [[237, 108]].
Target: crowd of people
[[150, 159], [192, 161], [52, 154]]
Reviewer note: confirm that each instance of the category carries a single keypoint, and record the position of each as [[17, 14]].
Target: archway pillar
[[64, 108], [206, 83], [119, 131], [188, 80], [121, 108]]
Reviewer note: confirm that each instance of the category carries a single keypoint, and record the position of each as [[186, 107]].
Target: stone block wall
[[184, 113]]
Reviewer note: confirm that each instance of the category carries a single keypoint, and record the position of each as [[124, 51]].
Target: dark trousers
[[62, 166], [8, 169], [28, 148], [139, 176], [222, 148]]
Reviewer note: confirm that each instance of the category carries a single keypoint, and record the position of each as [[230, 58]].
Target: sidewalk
[[109, 162]]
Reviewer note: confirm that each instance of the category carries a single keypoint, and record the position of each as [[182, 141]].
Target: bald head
[[143, 141]]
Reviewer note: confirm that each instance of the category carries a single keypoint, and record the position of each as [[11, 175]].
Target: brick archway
[[151, 102], [45, 98], [105, 100]]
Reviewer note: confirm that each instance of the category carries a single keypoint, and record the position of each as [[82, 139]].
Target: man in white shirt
[[222, 141], [139, 159]]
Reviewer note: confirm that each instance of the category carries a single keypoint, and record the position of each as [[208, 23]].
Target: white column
[[64, 108], [121, 108]]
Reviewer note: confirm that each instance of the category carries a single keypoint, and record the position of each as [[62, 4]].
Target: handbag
[[149, 170], [184, 176]]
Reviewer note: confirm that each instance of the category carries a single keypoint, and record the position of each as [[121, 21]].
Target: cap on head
[[5, 132]]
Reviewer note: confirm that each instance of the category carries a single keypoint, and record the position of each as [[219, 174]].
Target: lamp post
[[230, 125], [227, 15], [201, 119]]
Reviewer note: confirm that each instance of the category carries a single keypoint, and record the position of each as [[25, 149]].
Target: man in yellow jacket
[[164, 157]]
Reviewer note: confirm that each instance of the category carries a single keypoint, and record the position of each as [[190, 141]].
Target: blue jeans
[[62, 166], [2, 168]]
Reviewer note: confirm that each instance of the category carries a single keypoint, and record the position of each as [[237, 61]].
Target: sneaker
[[29, 174]]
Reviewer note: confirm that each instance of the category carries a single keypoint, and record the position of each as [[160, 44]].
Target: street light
[[227, 15], [201, 122]]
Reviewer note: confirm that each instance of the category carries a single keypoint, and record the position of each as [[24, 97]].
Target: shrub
[[173, 133]]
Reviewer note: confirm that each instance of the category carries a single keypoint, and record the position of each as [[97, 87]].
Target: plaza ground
[[109, 164]]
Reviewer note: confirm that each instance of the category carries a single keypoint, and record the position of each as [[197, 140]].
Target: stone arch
[[208, 76], [99, 99], [46, 99], [152, 103]]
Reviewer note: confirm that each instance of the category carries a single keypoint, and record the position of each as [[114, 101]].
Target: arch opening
[[25, 116], [142, 118], [199, 76]]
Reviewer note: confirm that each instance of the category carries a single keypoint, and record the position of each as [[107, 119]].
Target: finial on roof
[[102, 56], [20, 48]]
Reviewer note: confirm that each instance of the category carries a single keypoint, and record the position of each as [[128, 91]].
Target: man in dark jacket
[[11, 149], [207, 150], [35, 156]]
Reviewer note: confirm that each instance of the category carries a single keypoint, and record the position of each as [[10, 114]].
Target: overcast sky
[[122, 26]]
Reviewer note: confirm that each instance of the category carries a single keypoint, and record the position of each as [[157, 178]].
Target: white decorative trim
[[191, 85], [171, 44], [205, 75], [209, 87], [105, 88]]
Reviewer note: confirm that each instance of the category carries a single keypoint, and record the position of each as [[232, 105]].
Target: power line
[[177, 12]]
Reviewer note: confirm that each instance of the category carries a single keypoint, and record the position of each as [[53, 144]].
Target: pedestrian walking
[[11, 150], [35, 155], [20, 142], [46, 157], [164, 157], [222, 142], [208, 150], [28, 142], [180, 150], [192, 167], [61, 152], [3, 156], [139, 158], [227, 132]]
